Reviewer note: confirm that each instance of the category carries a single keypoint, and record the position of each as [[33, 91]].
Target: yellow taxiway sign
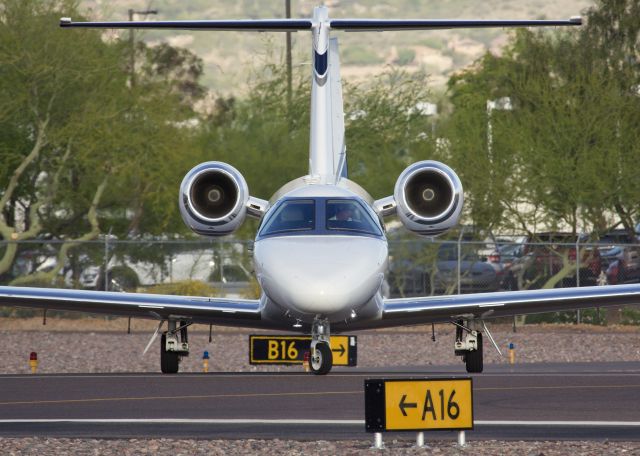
[[418, 405], [274, 349]]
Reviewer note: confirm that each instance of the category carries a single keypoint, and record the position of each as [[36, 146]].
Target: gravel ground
[[99, 347], [95, 345], [46, 447]]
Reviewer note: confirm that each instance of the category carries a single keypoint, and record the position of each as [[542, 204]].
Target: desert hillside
[[230, 57]]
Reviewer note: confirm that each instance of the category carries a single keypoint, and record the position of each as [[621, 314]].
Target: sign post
[[418, 405]]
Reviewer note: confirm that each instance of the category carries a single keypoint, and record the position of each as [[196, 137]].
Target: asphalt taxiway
[[528, 401]]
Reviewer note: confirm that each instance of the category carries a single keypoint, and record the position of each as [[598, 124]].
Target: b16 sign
[[274, 349], [418, 405]]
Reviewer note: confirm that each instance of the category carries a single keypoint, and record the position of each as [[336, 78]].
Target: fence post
[[459, 260], [578, 258], [106, 262]]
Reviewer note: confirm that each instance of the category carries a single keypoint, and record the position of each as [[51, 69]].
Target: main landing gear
[[174, 344], [468, 344], [321, 359]]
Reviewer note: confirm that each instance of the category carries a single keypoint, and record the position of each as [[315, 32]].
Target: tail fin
[[337, 112]]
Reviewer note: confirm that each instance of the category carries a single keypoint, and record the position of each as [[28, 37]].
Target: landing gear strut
[[321, 359], [174, 344], [468, 344]]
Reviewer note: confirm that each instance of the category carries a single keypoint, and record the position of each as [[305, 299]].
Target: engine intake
[[213, 199], [429, 198]]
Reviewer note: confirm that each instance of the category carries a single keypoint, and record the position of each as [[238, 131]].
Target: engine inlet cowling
[[429, 198], [213, 199]]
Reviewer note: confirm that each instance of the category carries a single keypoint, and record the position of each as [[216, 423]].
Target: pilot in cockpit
[[344, 213]]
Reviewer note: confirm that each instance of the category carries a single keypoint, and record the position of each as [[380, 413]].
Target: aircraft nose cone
[[323, 275]]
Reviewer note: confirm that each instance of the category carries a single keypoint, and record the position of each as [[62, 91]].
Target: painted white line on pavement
[[310, 421]]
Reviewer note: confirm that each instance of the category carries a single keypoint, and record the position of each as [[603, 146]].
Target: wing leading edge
[[219, 311], [429, 309]]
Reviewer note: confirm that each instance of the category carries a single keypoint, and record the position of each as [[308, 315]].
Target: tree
[[80, 149], [565, 151], [384, 131]]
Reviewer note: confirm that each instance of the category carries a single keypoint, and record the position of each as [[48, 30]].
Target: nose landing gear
[[321, 360]]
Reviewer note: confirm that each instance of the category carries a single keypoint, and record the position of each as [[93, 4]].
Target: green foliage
[[565, 153], [360, 55], [406, 56], [384, 131], [630, 316], [587, 316], [83, 149], [184, 288], [269, 141]]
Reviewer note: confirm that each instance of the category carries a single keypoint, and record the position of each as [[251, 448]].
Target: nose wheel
[[321, 359]]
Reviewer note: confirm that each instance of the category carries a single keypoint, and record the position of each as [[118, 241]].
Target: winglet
[[65, 21], [576, 20]]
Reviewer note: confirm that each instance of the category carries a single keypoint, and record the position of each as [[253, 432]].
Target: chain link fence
[[417, 267]]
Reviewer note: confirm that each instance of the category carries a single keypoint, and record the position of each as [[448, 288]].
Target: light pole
[[287, 9], [132, 43], [502, 104], [429, 110]]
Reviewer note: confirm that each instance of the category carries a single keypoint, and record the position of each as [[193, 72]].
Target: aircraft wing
[[429, 309], [219, 311], [293, 25]]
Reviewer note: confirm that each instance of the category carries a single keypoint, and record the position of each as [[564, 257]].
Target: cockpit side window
[[293, 215], [349, 215]]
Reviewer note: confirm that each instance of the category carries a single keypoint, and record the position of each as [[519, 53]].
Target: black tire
[[473, 359], [321, 361], [169, 361]]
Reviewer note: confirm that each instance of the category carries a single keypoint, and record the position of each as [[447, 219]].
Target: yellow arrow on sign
[[339, 349]]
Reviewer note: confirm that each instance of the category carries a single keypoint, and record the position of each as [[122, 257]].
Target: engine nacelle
[[428, 197], [213, 199]]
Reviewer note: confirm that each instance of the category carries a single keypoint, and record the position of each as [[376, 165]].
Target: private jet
[[320, 252]]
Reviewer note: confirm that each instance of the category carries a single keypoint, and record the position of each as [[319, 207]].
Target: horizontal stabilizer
[[349, 25], [364, 25], [259, 25]]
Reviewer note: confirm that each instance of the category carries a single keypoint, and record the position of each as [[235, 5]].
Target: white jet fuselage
[[320, 271]]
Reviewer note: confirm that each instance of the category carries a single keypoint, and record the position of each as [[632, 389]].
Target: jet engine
[[213, 199], [428, 197]]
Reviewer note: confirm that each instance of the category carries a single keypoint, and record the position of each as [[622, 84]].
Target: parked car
[[545, 254], [476, 275], [420, 268], [620, 256]]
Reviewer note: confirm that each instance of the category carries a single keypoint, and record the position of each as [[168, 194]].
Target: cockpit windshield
[[320, 216], [349, 215], [292, 215]]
